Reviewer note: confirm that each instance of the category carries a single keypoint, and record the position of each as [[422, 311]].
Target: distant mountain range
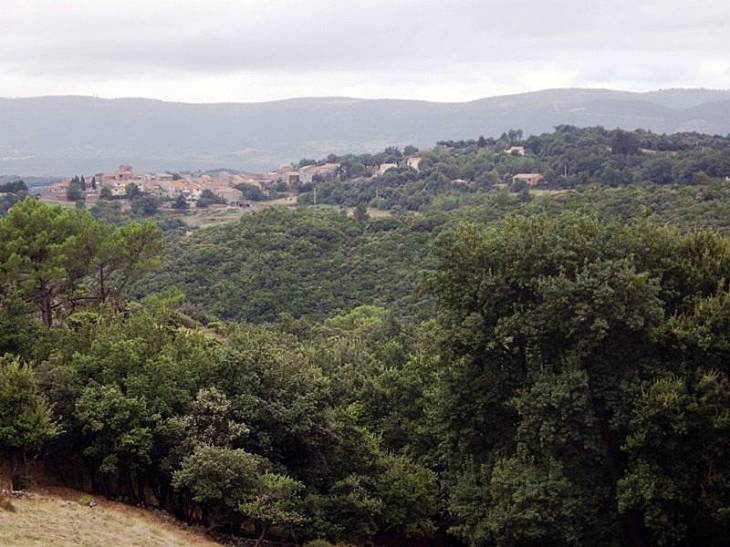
[[80, 135]]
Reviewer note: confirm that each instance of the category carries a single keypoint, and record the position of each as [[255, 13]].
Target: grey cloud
[[107, 39]]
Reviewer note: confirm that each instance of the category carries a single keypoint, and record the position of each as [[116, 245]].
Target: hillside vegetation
[[301, 262], [461, 173], [522, 368], [317, 262]]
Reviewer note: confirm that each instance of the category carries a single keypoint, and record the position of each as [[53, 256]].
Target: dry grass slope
[[56, 518], [6, 504]]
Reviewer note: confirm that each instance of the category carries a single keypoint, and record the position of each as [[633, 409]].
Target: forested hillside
[[457, 173], [301, 262], [314, 263], [498, 366]]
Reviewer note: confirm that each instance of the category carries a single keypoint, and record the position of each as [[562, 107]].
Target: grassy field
[[212, 216], [64, 518]]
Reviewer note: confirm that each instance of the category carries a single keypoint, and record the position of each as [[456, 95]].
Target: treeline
[[569, 157], [235, 428], [231, 426], [11, 193]]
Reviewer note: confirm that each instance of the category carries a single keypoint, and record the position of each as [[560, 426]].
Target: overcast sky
[[437, 50]]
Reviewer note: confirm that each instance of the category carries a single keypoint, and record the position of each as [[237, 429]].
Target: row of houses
[[223, 183], [165, 185], [172, 185], [411, 161]]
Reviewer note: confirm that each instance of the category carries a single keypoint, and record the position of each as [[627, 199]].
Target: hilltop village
[[224, 188], [223, 184]]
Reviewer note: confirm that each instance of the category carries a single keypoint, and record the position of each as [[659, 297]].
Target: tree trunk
[[635, 528], [264, 529], [632, 522], [102, 284], [18, 468], [211, 518], [47, 311]]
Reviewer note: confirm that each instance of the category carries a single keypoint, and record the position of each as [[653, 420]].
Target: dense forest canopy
[[514, 369], [300, 262], [317, 262]]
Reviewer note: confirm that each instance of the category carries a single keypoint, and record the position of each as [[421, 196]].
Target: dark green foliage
[[458, 172], [557, 354], [252, 192], [180, 203], [56, 258], [279, 395], [314, 264], [42, 254], [11, 193], [219, 479], [226, 429], [678, 478], [572, 387], [18, 329], [207, 197], [106, 193], [109, 211], [303, 262], [14, 187], [26, 419], [361, 213], [145, 204], [75, 190], [131, 191], [624, 143], [119, 382], [277, 501]]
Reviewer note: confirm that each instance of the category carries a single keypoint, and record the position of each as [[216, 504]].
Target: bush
[[86, 501]]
